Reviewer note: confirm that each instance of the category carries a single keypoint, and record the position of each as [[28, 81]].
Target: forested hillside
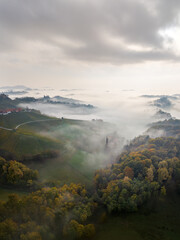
[[148, 169]]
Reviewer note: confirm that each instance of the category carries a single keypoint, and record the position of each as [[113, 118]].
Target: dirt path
[[44, 120], [11, 129], [8, 129]]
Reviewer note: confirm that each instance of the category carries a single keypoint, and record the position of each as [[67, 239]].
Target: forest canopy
[[146, 168]]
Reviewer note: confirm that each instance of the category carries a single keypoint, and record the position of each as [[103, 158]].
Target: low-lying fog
[[129, 110], [117, 117]]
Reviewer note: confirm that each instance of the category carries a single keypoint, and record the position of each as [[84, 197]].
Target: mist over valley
[[89, 120]]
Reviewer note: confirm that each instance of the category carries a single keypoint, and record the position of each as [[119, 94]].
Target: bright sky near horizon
[[117, 44]]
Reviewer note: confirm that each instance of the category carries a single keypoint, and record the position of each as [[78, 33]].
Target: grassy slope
[[73, 165], [22, 143], [59, 135], [14, 119], [160, 223], [25, 141], [62, 170]]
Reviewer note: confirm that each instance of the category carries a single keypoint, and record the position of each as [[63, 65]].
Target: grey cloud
[[87, 23], [105, 53]]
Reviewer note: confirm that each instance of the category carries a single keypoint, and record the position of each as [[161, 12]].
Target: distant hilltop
[[7, 106], [8, 103], [73, 103], [162, 115], [4, 97]]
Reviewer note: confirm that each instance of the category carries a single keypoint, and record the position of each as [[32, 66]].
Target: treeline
[[50, 213], [49, 154], [147, 168], [168, 128], [30, 158], [139, 174], [14, 173]]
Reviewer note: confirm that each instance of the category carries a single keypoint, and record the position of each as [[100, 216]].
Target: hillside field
[[79, 145]]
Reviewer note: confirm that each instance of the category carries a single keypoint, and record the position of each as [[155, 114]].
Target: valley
[[125, 188]]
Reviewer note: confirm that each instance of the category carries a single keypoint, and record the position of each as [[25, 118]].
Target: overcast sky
[[91, 43]]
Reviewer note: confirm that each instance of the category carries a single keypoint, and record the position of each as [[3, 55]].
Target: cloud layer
[[116, 31]]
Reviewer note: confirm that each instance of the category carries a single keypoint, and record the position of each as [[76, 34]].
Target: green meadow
[[14, 119], [78, 144], [156, 222]]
